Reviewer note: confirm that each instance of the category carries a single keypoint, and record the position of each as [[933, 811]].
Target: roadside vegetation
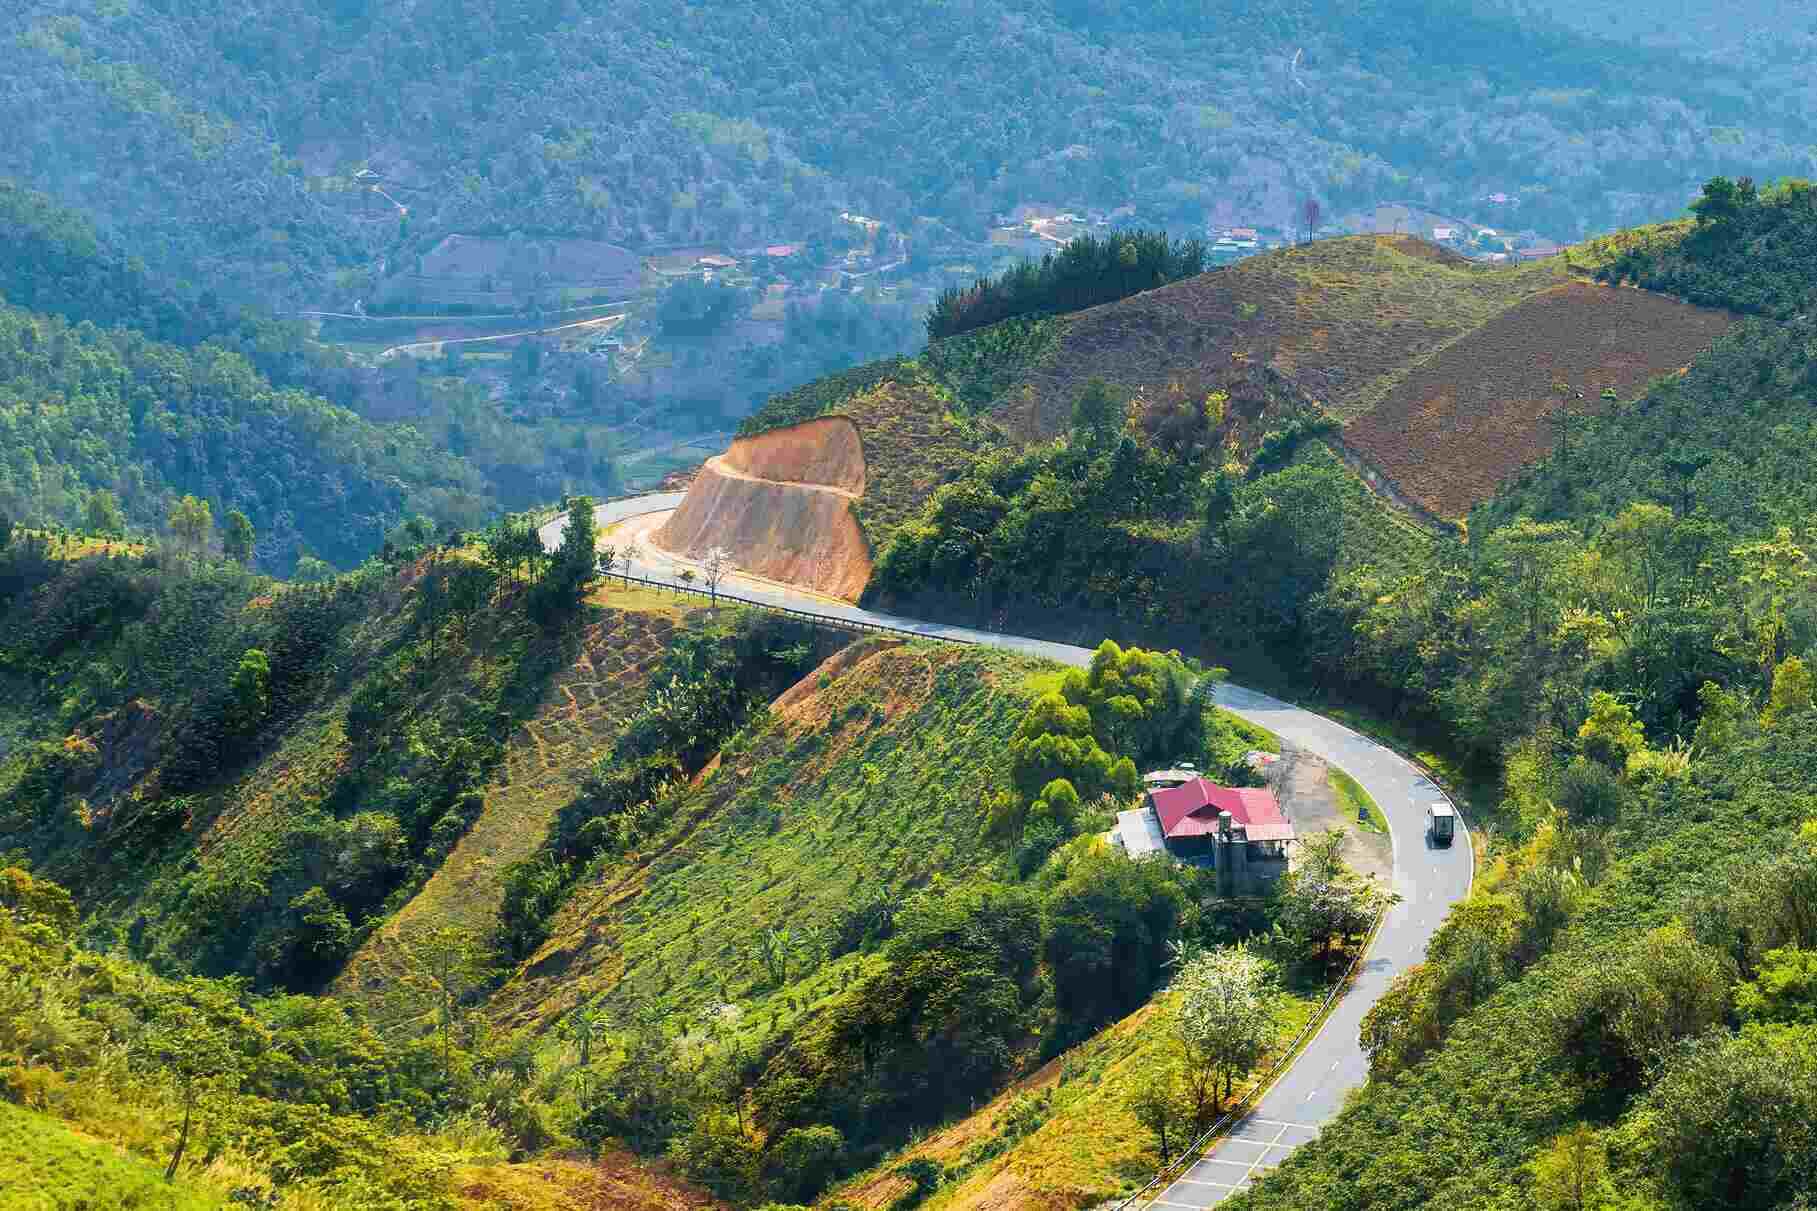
[[702, 906]]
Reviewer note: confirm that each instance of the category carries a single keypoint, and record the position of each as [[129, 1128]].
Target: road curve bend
[[1429, 879]]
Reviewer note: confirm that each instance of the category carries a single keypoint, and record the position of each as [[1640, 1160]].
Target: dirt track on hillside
[[780, 504]]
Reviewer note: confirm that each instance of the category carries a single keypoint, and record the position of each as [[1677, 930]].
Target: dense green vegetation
[[1750, 250], [228, 140], [182, 698], [711, 680], [1085, 272], [117, 391], [372, 707], [84, 411], [300, 1098], [1140, 513]]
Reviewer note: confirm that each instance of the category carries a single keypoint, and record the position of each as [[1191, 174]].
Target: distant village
[[488, 278]]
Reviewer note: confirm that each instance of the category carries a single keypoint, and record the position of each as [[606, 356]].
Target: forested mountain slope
[[1621, 1013], [85, 411], [121, 393], [228, 138], [1623, 637]]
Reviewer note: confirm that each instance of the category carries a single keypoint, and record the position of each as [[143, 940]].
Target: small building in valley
[[1239, 830]]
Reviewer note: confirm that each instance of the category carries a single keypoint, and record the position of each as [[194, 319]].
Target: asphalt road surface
[[1429, 879]]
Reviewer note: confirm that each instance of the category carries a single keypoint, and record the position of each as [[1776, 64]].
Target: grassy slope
[[1088, 1146], [236, 832], [1375, 532], [1469, 415], [1338, 324], [45, 1166], [913, 443], [582, 712], [874, 780]]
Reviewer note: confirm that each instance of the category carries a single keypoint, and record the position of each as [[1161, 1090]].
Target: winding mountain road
[[1429, 879]]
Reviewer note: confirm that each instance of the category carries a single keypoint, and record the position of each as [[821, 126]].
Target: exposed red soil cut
[[780, 504], [825, 451], [1481, 409]]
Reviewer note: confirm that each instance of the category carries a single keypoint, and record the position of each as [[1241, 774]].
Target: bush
[[1589, 792]]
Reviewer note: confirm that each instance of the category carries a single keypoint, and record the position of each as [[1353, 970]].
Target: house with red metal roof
[[1239, 830]]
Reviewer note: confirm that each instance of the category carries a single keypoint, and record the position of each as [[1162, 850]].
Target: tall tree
[[192, 523], [237, 537], [103, 514], [1227, 1010], [198, 1056]]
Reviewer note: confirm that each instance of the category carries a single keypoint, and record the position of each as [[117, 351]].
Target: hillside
[[545, 875], [241, 147], [1433, 379], [780, 503], [1462, 421], [1337, 318], [791, 828], [1065, 1136], [583, 708], [253, 776]]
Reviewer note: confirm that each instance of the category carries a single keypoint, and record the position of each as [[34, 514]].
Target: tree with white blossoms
[[1228, 1002], [716, 564], [1321, 897]]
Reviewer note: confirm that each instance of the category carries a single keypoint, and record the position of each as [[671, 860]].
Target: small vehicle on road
[[1441, 823]]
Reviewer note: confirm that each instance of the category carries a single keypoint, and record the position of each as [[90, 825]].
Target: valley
[[1043, 606]]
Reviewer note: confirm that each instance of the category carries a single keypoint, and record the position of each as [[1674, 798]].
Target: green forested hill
[[84, 410], [491, 806], [1623, 638], [114, 380], [226, 138]]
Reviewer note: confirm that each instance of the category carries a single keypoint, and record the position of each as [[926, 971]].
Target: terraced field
[[1472, 414], [786, 831], [582, 713]]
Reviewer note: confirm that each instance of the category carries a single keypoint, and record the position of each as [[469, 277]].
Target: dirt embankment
[[780, 504]]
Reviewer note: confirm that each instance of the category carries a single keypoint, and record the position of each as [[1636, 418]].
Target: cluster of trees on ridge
[[1749, 249], [1085, 272]]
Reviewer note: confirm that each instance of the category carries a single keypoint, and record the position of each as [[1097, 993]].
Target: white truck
[[1441, 823]]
